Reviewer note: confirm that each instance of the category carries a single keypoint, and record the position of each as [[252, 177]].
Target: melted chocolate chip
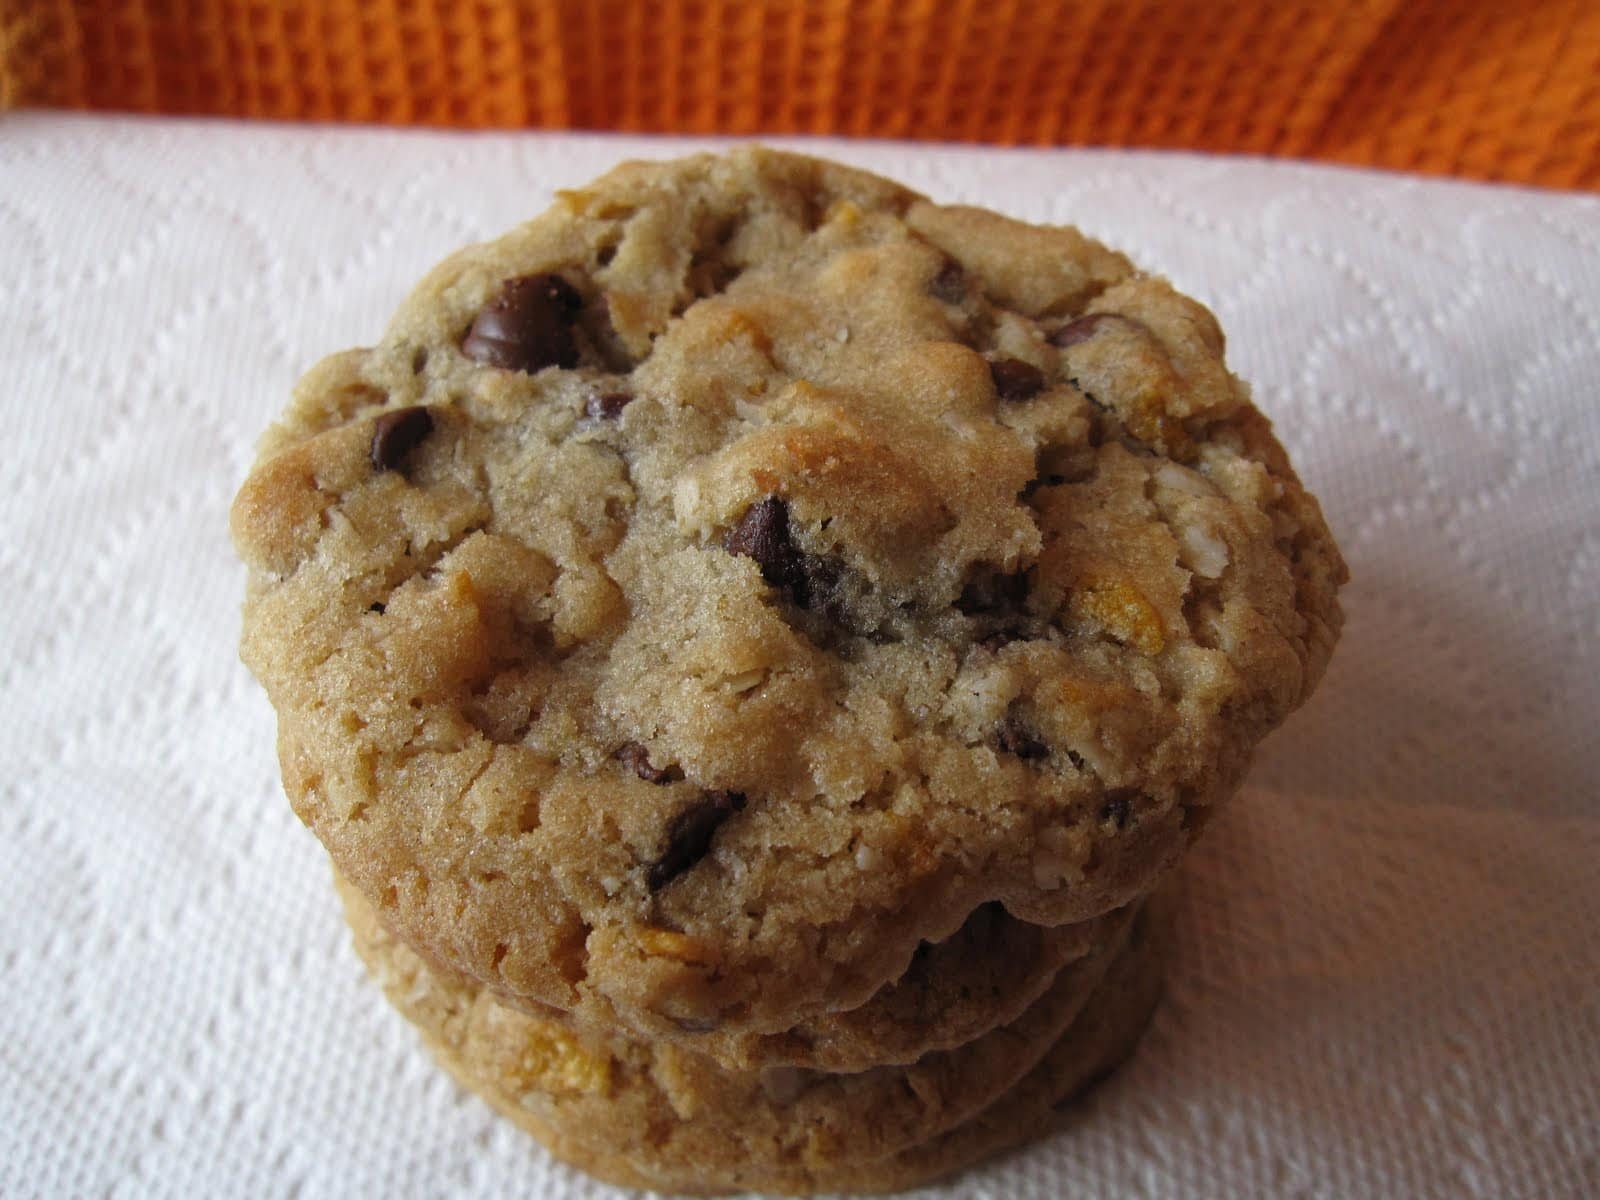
[[1013, 737], [636, 757], [984, 920], [376, 606], [1086, 327], [1081, 329], [990, 591], [396, 434], [950, 285], [1044, 481], [763, 534], [696, 1024], [1195, 817], [1118, 808], [689, 836], [1015, 379], [818, 586], [606, 406], [528, 326]]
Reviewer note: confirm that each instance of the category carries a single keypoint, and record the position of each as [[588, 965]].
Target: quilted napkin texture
[[1387, 978]]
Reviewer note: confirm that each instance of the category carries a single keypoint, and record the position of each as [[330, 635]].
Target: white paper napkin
[[1389, 983]]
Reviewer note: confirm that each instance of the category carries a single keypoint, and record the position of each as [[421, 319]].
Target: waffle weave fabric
[[1474, 88]]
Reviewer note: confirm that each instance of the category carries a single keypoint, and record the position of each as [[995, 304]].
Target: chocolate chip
[[811, 580], [950, 284], [983, 921], [1013, 737], [635, 756], [1015, 379], [1080, 330], [997, 642], [606, 406], [528, 326], [818, 586], [1044, 481], [376, 606], [689, 836], [988, 590], [396, 434], [1118, 808], [696, 1024], [763, 534], [1086, 327]]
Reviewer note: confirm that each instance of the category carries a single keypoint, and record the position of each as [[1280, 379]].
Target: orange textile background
[[1479, 88]]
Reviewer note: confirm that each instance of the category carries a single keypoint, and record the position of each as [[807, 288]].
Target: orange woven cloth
[[1479, 88]]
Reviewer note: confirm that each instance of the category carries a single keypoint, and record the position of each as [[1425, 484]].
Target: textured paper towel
[[1388, 981]]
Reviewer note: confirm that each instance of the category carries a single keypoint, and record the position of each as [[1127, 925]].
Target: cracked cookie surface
[[736, 577]]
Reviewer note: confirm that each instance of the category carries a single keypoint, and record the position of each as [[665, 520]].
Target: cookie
[[1105, 1033], [516, 1064], [701, 1121], [734, 578], [992, 969]]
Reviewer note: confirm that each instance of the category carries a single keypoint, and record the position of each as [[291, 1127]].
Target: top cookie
[[729, 580]]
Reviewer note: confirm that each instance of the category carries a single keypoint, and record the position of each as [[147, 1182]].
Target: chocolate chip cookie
[[732, 580], [984, 976], [673, 1120]]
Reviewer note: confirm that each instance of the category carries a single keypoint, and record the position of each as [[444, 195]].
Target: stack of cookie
[[754, 643]]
